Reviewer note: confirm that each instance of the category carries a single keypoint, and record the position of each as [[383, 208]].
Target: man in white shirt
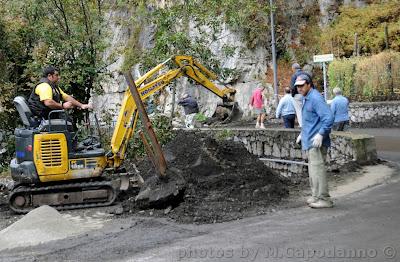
[[286, 109]]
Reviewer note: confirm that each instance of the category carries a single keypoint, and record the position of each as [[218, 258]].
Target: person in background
[[190, 107], [286, 109], [340, 110], [257, 102], [314, 137], [296, 69]]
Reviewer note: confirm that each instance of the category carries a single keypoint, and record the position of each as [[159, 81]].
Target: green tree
[[369, 23], [69, 34], [66, 33]]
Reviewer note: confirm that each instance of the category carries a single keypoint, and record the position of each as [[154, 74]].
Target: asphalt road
[[363, 226]]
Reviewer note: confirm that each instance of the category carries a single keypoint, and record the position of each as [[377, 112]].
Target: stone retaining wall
[[375, 114], [280, 144]]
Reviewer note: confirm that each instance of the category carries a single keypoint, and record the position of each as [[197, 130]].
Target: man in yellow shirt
[[47, 96]]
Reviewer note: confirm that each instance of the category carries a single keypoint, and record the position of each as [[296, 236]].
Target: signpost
[[324, 59], [273, 50]]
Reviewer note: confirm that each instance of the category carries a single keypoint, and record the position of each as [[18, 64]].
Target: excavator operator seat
[[28, 119], [31, 121]]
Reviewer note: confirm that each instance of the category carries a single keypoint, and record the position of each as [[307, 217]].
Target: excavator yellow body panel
[[52, 163]]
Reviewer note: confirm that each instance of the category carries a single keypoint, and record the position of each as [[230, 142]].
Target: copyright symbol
[[389, 252]]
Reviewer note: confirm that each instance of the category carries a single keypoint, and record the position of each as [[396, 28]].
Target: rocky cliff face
[[107, 104], [329, 8], [250, 65]]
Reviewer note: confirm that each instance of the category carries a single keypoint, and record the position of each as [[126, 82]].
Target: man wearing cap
[[190, 107], [340, 110], [314, 137]]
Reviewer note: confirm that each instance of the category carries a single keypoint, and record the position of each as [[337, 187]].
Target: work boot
[[321, 204], [258, 125], [312, 200], [262, 126]]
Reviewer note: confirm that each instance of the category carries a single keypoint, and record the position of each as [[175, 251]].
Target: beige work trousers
[[317, 172]]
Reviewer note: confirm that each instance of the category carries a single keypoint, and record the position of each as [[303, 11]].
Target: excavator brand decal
[[87, 163], [152, 88], [77, 164]]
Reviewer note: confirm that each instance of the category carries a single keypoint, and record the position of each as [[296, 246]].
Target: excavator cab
[[46, 151]]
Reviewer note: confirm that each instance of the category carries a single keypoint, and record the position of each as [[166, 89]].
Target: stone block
[[259, 148], [299, 153], [254, 148], [275, 151], [284, 153], [292, 153], [262, 138], [267, 150], [248, 147]]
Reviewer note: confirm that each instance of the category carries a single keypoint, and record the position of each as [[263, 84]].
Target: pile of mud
[[224, 181]]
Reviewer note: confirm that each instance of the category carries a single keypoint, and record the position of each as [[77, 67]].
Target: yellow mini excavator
[[50, 169]]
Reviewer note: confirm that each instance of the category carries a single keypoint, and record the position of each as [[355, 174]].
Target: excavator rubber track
[[24, 198]]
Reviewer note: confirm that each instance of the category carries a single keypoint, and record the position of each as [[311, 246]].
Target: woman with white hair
[[340, 110]]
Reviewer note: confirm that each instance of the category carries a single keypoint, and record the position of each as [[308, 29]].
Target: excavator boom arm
[[127, 118]]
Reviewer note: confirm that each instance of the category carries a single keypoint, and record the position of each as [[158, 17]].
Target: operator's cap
[[302, 79]]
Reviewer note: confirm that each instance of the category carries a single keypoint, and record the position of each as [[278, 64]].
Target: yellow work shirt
[[44, 91]]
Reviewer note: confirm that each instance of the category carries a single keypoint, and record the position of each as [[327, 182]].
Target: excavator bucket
[[235, 112], [225, 113], [162, 191], [129, 181]]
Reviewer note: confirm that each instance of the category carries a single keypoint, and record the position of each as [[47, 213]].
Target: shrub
[[367, 78], [223, 135], [369, 23]]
